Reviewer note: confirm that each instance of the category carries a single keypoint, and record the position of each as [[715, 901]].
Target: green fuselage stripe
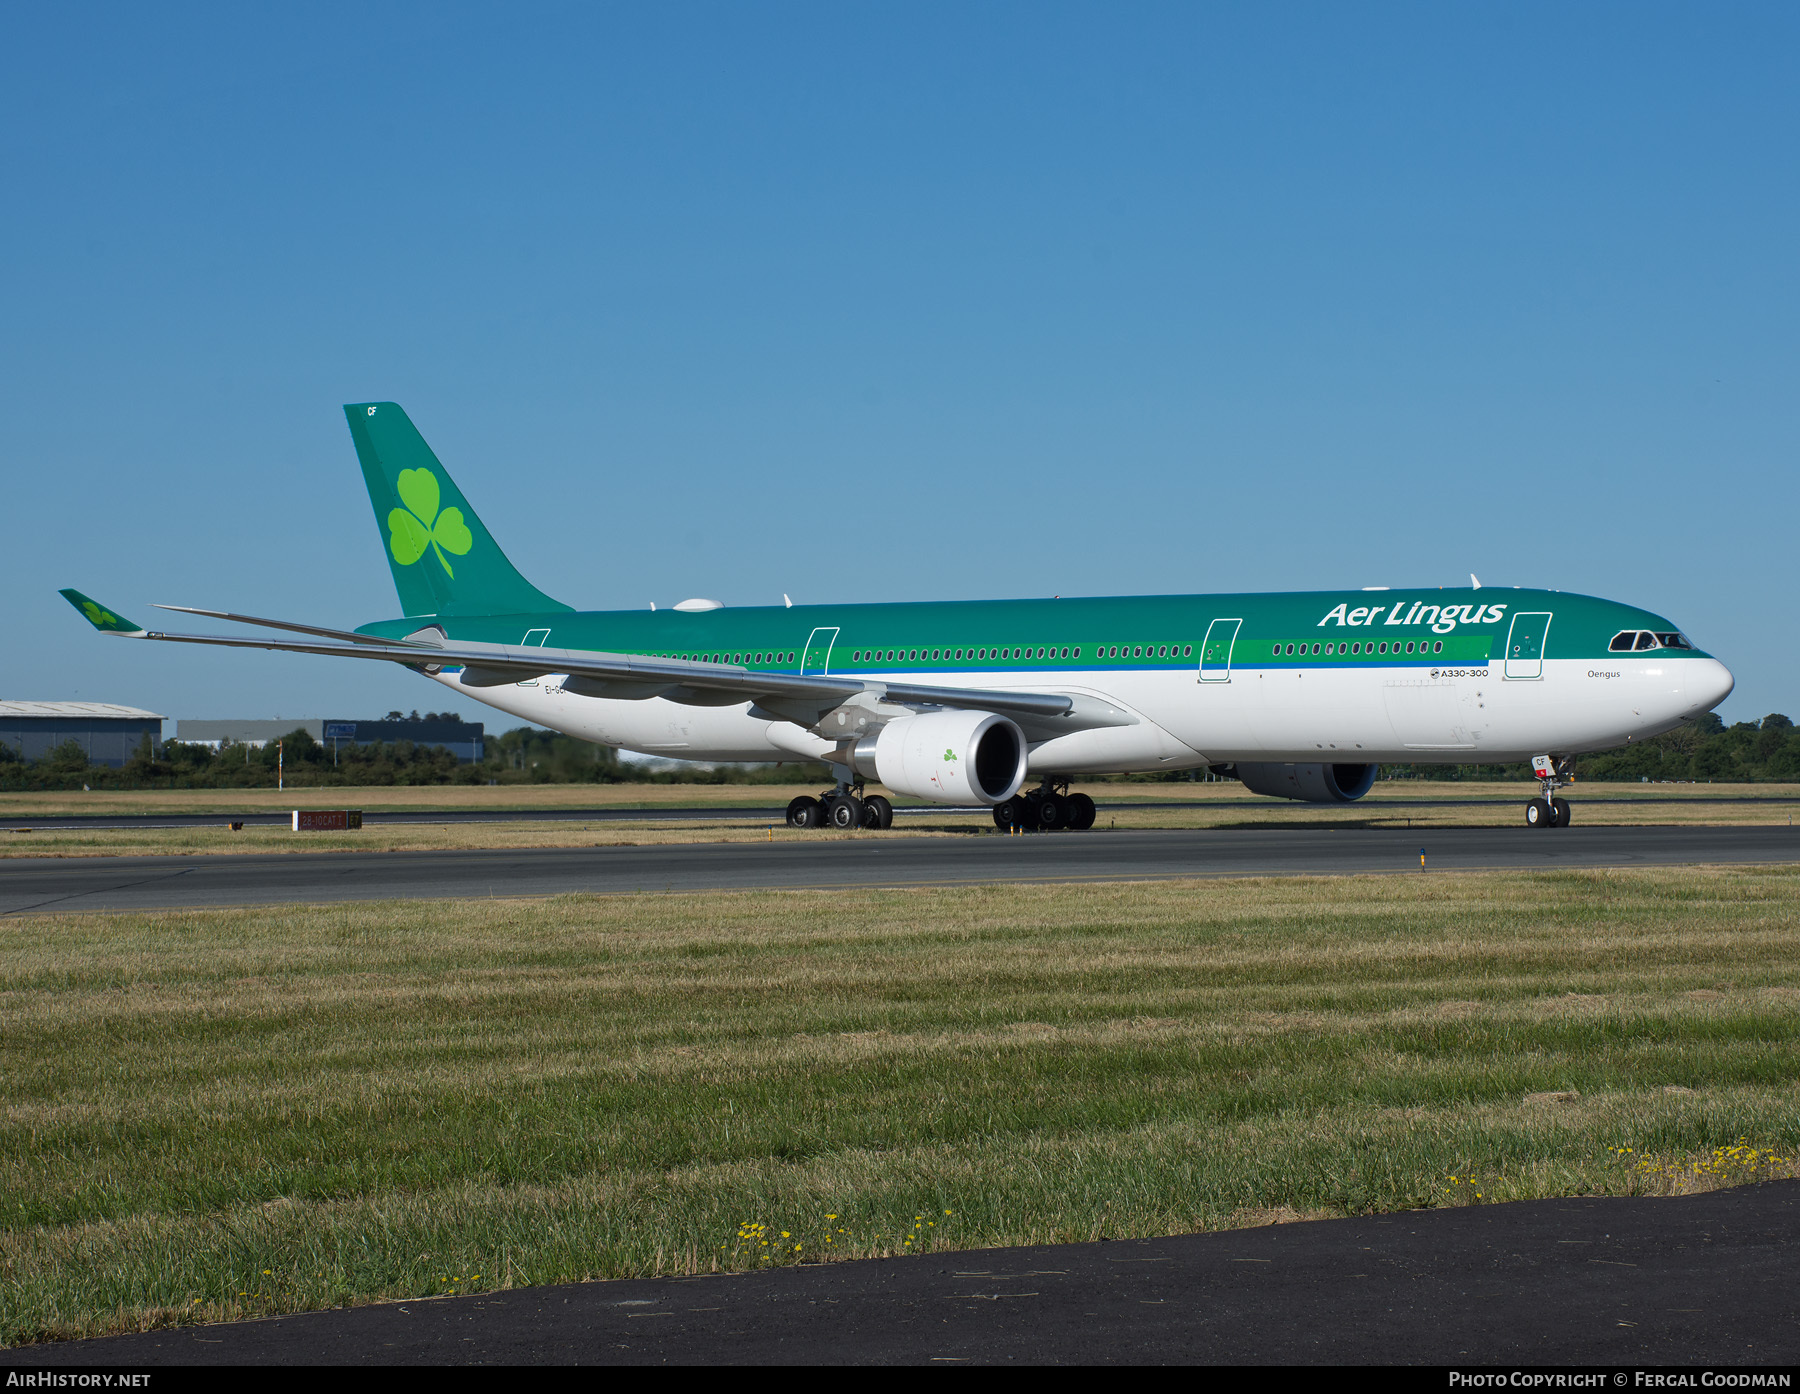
[[1028, 636]]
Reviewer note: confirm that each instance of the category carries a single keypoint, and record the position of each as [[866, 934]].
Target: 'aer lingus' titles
[[1441, 618]]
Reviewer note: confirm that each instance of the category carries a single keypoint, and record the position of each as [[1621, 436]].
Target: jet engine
[[959, 757], [1308, 783]]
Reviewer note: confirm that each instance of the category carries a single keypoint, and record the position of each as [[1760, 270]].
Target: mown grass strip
[[210, 1114]]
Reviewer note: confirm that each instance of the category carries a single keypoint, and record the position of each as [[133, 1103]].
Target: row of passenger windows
[[963, 655], [1627, 640], [754, 659], [1105, 651], [1017, 655], [1423, 646]]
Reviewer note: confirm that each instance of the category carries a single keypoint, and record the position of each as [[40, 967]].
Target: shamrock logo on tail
[[100, 617], [419, 525]]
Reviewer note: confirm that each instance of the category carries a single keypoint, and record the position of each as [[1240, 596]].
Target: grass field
[[1197, 806], [409, 837], [218, 1114]]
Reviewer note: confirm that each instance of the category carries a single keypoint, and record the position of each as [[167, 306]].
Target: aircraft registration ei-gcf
[[1299, 695]]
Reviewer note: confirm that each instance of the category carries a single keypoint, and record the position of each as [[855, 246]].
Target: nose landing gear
[[1547, 810]]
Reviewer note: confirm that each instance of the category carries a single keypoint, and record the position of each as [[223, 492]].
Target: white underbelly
[[654, 725], [1391, 715]]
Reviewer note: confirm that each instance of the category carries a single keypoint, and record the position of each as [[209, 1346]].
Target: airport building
[[107, 732], [251, 733], [463, 739]]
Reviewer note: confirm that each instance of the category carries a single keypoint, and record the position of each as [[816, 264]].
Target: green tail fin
[[444, 561]]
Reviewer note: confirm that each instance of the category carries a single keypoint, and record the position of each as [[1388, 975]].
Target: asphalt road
[[1615, 1283], [152, 883]]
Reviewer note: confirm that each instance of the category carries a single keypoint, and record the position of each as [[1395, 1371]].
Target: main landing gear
[[1041, 810], [1046, 808], [1547, 810], [843, 808]]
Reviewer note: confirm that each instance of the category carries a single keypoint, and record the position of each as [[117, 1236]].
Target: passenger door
[[816, 660], [1215, 653], [534, 639], [1525, 645]]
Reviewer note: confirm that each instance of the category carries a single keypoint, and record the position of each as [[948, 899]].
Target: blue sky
[[894, 302]]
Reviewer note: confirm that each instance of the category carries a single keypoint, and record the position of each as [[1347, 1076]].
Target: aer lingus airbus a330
[[1299, 695]]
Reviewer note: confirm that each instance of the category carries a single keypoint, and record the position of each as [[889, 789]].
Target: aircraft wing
[[801, 698]]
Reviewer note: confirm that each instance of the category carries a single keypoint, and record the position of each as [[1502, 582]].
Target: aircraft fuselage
[[1392, 676]]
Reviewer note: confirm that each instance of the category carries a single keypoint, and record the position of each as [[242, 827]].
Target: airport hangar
[[108, 732]]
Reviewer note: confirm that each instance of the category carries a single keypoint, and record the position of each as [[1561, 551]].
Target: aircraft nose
[[1709, 682]]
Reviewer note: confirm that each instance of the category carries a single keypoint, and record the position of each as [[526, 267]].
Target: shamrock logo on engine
[[419, 525]]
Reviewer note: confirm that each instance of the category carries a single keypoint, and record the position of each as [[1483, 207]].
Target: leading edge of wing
[[347, 635], [494, 665]]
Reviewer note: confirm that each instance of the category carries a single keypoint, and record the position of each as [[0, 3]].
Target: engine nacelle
[[1309, 783], [960, 757]]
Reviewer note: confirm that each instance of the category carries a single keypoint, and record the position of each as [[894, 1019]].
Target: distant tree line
[[1766, 751], [1702, 749], [521, 756]]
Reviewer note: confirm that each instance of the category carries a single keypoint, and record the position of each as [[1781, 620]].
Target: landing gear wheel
[[877, 813], [1014, 813], [1553, 772], [1052, 812], [844, 812], [804, 812], [1081, 812]]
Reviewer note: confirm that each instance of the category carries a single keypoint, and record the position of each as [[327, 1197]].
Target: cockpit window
[[1627, 640]]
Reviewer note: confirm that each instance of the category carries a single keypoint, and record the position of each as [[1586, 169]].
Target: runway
[[774, 813], [29, 885], [1614, 1282]]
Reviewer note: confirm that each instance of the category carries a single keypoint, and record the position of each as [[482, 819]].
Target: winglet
[[99, 616]]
